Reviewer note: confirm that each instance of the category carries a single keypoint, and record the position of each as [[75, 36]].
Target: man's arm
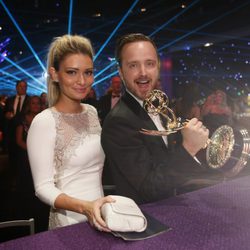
[[128, 154]]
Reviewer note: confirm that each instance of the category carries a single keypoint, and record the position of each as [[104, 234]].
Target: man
[[108, 101], [14, 108], [143, 167], [15, 105]]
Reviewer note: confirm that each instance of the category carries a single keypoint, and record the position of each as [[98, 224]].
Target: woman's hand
[[93, 212], [91, 209]]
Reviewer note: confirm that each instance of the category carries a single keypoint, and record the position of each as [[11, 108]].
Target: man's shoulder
[[120, 109], [122, 115]]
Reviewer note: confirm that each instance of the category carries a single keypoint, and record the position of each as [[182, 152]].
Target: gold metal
[[157, 103], [219, 148]]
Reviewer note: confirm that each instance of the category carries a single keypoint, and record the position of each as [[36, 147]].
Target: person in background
[[3, 148], [63, 142], [24, 174], [187, 107], [108, 101], [215, 111], [13, 112], [142, 166], [91, 98], [30, 206], [15, 105], [44, 101]]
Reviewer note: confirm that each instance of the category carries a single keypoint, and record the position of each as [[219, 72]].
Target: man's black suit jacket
[[143, 168], [9, 107]]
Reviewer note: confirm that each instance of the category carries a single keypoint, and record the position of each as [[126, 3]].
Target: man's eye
[[133, 65], [150, 63]]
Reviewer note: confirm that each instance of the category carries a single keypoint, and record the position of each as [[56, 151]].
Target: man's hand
[[195, 136]]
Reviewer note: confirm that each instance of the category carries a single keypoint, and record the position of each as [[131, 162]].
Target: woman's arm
[[41, 144], [91, 209]]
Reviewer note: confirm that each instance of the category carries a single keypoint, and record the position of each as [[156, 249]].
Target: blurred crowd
[[214, 110]]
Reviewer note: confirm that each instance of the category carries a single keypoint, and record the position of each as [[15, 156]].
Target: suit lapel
[[145, 119], [136, 108]]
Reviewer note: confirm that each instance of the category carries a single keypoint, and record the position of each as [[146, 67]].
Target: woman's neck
[[68, 107]]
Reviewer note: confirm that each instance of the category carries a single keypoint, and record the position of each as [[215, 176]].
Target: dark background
[[179, 28]]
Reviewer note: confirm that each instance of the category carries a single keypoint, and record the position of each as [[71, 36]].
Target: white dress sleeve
[[41, 145]]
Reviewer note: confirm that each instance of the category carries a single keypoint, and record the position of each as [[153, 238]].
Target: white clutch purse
[[123, 215]]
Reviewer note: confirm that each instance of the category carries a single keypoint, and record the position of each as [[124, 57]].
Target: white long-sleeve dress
[[66, 156]]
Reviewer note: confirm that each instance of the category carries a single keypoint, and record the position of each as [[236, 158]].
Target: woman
[[216, 112], [30, 207], [33, 108], [24, 175], [44, 100], [64, 147]]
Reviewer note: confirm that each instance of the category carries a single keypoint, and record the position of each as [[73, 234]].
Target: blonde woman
[[64, 147], [216, 112]]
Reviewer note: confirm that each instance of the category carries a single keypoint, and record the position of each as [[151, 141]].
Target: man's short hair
[[130, 38]]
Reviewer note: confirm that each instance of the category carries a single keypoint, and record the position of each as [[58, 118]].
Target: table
[[217, 218]]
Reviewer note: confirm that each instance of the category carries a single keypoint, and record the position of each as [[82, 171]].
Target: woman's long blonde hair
[[58, 50]]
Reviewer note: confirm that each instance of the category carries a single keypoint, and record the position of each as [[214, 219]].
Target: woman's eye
[[71, 72], [89, 73]]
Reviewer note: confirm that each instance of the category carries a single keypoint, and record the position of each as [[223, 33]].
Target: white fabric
[[157, 121], [123, 215], [66, 157]]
